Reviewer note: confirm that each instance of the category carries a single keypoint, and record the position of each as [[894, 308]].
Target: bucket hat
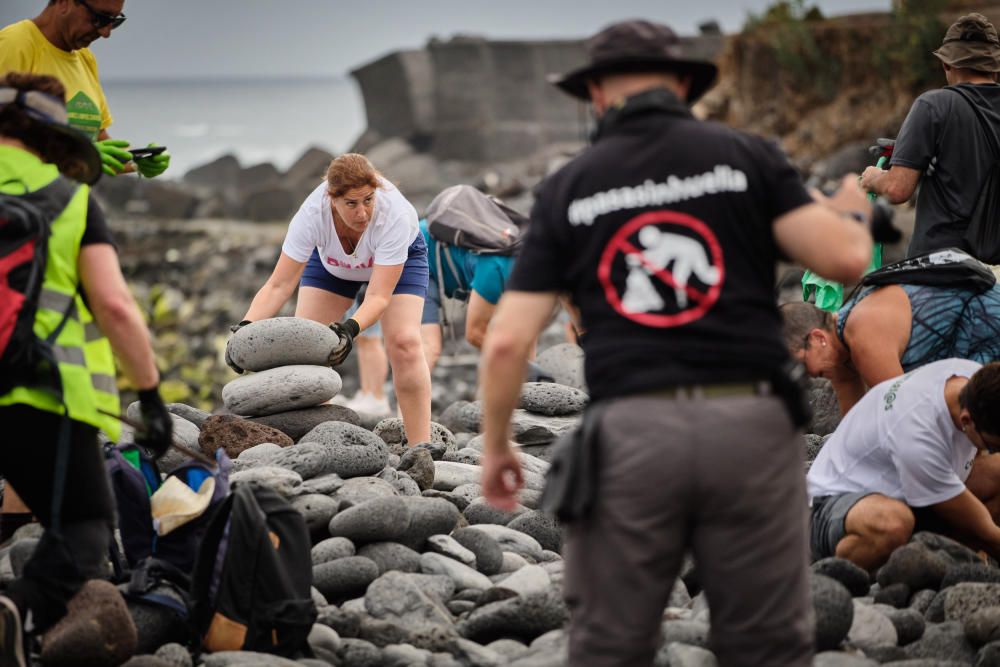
[[971, 43], [636, 46], [51, 111]]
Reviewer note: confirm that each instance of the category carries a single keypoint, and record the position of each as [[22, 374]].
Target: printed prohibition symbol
[[661, 251]]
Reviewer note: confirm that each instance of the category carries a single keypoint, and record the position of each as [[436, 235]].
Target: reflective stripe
[[92, 332], [105, 383], [57, 301], [69, 355]]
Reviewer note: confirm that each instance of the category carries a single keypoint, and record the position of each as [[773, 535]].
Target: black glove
[[346, 331], [229, 359], [158, 427]]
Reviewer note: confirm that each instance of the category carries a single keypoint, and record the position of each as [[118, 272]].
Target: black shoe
[[11, 635]]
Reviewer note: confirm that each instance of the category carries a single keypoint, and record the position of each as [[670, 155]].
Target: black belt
[[720, 390]]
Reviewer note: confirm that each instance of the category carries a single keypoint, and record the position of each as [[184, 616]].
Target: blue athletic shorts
[[413, 280]]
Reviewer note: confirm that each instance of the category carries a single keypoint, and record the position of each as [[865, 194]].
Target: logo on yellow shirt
[[84, 114]]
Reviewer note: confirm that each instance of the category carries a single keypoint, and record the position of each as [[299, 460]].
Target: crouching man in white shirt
[[917, 450]]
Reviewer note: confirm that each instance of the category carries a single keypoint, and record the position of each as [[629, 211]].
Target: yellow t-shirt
[[23, 48]]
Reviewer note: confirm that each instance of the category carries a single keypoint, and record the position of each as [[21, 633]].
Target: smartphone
[[149, 151]]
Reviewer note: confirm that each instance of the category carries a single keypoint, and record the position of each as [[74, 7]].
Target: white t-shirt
[[386, 240], [900, 441]]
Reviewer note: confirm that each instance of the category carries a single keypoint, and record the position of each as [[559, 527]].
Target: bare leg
[[875, 527], [373, 365], [321, 306], [430, 334], [410, 373]]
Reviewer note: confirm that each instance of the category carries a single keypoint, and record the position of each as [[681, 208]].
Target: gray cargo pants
[[722, 477]]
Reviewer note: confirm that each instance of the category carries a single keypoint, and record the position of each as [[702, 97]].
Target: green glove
[[153, 166], [113, 155]]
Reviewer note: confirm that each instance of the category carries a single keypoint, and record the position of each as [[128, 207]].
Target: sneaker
[[367, 404], [11, 635]]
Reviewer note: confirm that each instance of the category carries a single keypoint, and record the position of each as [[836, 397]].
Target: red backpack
[[25, 226]]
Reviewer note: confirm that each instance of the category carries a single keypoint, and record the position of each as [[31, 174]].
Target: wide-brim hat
[[51, 111], [971, 43], [636, 46]]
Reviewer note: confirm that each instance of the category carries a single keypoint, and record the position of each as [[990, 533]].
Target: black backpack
[[950, 267], [251, 587], [463, 216], [25, 226], [982, 236]]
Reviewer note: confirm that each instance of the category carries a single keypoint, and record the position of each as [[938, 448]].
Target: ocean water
[[255, 120]]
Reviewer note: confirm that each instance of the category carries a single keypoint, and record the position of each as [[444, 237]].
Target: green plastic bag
[[830, 295]]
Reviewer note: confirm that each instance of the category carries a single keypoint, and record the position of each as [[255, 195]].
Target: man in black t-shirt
[[665, 235], [943, 146]]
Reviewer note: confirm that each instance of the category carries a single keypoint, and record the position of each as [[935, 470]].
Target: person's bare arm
[[820, 238], [519, 319], [877, 333], [972, 521], [378, 294], [117, 314], [896, 184], [277, 290], [477, 318]]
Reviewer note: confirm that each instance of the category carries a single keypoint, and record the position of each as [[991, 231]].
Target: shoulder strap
[[983, 120]]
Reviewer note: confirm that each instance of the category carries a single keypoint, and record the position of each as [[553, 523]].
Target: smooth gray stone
[[459, 502], [468, 492], [296, 423], [377, 520], [418, 464], [193, 415], [943, 641], [565, 363], [470, 653], [454, 418], [354, 452], [448, 476], [963, 600], [316, 509], [894, 595], [285, 482], [359, 653], [309, 459], [529, 579], [463, 575], [870, 627], [510, 649], [909, 623], [523, 618], [281, 341], [971, 573], [983, 626], [489, 555], [467, 455], [834, 611], [542, 527], [21, 552], [357, 490], [405, 655], [552, 648], [514, 541], [838, 659], [246, 659], [526, 428], [446, 545], [391, 556], [392, 432], [185, 434], [397, 597], [935, 610], [280, 390], [856, 580], [481, 511], [324, 639], [344, 577], [551, 399], [325, 485], [175, 654], [428, 516], [921, 600], [945, 546], [330, 549], [256, 456], [989, 655], [694, 633], [915, 565], [317, 597]]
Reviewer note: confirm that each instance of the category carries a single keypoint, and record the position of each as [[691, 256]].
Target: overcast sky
[[182, 39]]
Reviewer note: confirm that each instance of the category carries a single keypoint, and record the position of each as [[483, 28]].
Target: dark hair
[[15, 123], [981, 397], [799, 319]]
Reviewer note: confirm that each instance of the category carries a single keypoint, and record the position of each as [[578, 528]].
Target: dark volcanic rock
[[345, 577], [419, 465], [331, 548], [235, 434], [909, 624], [309, 459], [521, 617], [943, 641], [378, 520], [296, 423], [834, 611], [914, 565], [540, 526], [392, 432], [354, 451], [489, 556], [391, 556], [428, 516], [551, 399], [855, 580], [983, 626], [96, 631], [971, 572], [895, 595]]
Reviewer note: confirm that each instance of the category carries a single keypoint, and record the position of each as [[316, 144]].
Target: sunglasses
[[100, 19]]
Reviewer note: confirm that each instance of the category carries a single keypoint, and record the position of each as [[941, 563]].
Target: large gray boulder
[[354, 452], [281, 341], [396, 596], [551, 399], [565, 363], [296, 423], [519, 617], [378, 520], [344, 578], [309, 459], [834, 611], [280, 390]]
